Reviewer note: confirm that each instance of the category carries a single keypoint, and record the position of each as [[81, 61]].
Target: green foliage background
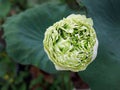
[[24, 35]]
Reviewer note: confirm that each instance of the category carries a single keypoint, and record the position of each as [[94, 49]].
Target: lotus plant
[[71, 43]]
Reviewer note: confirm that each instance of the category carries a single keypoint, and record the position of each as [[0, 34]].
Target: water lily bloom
[[71, 43]]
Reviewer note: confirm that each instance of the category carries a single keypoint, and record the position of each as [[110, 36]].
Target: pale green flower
[[71, 43]]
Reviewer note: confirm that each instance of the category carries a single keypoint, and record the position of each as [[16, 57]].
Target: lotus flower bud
[[71, 43]]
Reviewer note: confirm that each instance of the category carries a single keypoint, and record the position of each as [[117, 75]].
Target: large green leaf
[[24, 34], [104, 72]]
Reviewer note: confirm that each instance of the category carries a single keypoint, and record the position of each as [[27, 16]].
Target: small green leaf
[[4, 8], [36, 81], [1, 47], [23, 86], [7, 67]]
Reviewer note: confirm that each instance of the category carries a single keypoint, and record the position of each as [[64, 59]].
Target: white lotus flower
[[71, 43]]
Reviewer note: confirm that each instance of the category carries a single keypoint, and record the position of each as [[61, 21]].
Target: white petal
[[95, 50], [60, 68]]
